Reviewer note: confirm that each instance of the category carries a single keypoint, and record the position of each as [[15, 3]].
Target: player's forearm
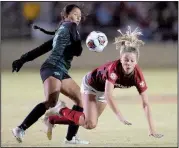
[[37, 52], [113, 106], [147, 111]]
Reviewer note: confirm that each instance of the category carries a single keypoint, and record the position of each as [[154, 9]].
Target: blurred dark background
[[158, 20]]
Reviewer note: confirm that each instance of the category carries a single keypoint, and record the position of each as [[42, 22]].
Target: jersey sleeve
[[140, 82], [112, 73], [37, 52]]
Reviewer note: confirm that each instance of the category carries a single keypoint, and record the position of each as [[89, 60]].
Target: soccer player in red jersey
[[97, 88]]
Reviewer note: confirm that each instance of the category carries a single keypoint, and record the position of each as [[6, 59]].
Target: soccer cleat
[[55, 110], [76, 140], [18, 134], [49, 127]]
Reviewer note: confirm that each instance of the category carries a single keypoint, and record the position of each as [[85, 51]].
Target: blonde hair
[[129, 41]]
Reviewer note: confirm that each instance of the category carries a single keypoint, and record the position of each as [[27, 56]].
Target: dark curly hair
[[67, 9]]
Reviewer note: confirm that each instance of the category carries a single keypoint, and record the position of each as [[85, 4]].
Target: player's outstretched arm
[[147, 111], [31, 55], [109, 87], [43, 30]]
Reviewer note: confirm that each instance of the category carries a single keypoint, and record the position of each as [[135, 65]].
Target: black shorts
[[54, 72]]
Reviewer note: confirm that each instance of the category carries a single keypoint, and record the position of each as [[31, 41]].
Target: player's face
[[75, 15], [129, 61]]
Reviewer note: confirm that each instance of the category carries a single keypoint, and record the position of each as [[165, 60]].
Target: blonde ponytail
[[129, 39]]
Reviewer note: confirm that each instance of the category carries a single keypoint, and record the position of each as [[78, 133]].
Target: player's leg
[[92, 99], [56, 119], [72, 90], [88, 119], [52, 120], [52, 88], [101, 105], [71, 113], [90, 104]]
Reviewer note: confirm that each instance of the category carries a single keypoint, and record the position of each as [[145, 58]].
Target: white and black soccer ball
[[96, 41]]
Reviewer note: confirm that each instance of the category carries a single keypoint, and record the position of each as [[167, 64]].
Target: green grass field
[[20, 92]]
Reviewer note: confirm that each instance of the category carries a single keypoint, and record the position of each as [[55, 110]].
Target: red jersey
[[114, 73]]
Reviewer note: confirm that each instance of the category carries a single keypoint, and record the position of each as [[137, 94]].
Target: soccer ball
[[96, 41]]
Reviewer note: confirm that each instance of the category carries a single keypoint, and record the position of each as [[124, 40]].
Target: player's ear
[[65, 15]]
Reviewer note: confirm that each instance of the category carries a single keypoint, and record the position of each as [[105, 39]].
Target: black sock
[[33, 116], [73, 129]]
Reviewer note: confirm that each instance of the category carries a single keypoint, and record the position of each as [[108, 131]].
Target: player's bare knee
[[90, 125]]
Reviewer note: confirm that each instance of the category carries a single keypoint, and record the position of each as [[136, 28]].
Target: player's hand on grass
[[124, 121], [156, 135], [16, 65]]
